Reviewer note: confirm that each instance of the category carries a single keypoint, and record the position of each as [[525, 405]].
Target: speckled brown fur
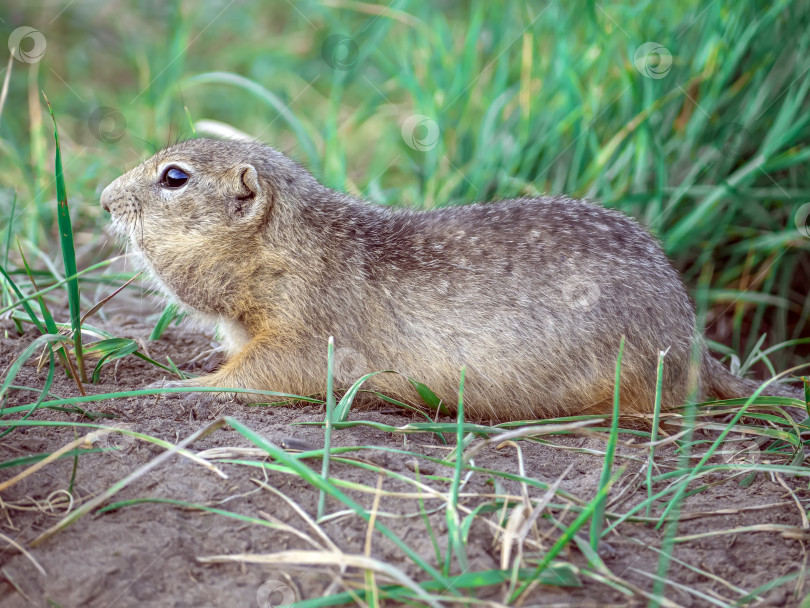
[[531, 295]]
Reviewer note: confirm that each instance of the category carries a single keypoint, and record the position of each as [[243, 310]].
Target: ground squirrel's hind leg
[[262, 364]]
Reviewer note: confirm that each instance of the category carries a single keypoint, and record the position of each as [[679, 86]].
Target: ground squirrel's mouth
[[120, 227], [128, 229]]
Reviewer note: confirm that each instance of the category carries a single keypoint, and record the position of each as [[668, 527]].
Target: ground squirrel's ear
[[247, 191]]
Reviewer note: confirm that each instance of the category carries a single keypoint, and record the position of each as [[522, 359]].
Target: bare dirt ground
[[149, 554]]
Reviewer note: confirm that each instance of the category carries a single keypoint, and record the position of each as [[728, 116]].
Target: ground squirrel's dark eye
[[173, 178]]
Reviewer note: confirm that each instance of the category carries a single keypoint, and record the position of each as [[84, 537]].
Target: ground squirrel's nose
[[105, 198]]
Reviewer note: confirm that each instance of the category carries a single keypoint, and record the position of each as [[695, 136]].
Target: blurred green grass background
[[692, 117]]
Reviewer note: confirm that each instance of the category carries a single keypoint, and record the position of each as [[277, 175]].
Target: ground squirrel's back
[[533, 296]]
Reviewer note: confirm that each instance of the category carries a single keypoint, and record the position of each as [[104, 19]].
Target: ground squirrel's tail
[[716, 381]]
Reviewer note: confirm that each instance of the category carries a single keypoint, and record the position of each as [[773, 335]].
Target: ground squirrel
[[533, 296]]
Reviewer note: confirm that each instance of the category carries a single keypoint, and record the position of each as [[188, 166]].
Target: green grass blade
[[43, 393], [425, 518], [50, 324], [597, 523], [169, 314], [115, 348], [24, 302], [167, 368], [709, 452], [429, 397], [15, 366], [341, 411], [327, 432], [455, 542], [68, 252], [10, 225], [659, 383]]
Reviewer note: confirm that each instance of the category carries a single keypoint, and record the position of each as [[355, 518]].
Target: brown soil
[[147, 554]]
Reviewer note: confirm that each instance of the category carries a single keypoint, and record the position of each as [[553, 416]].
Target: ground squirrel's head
[[199, 185], [202, 204]]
